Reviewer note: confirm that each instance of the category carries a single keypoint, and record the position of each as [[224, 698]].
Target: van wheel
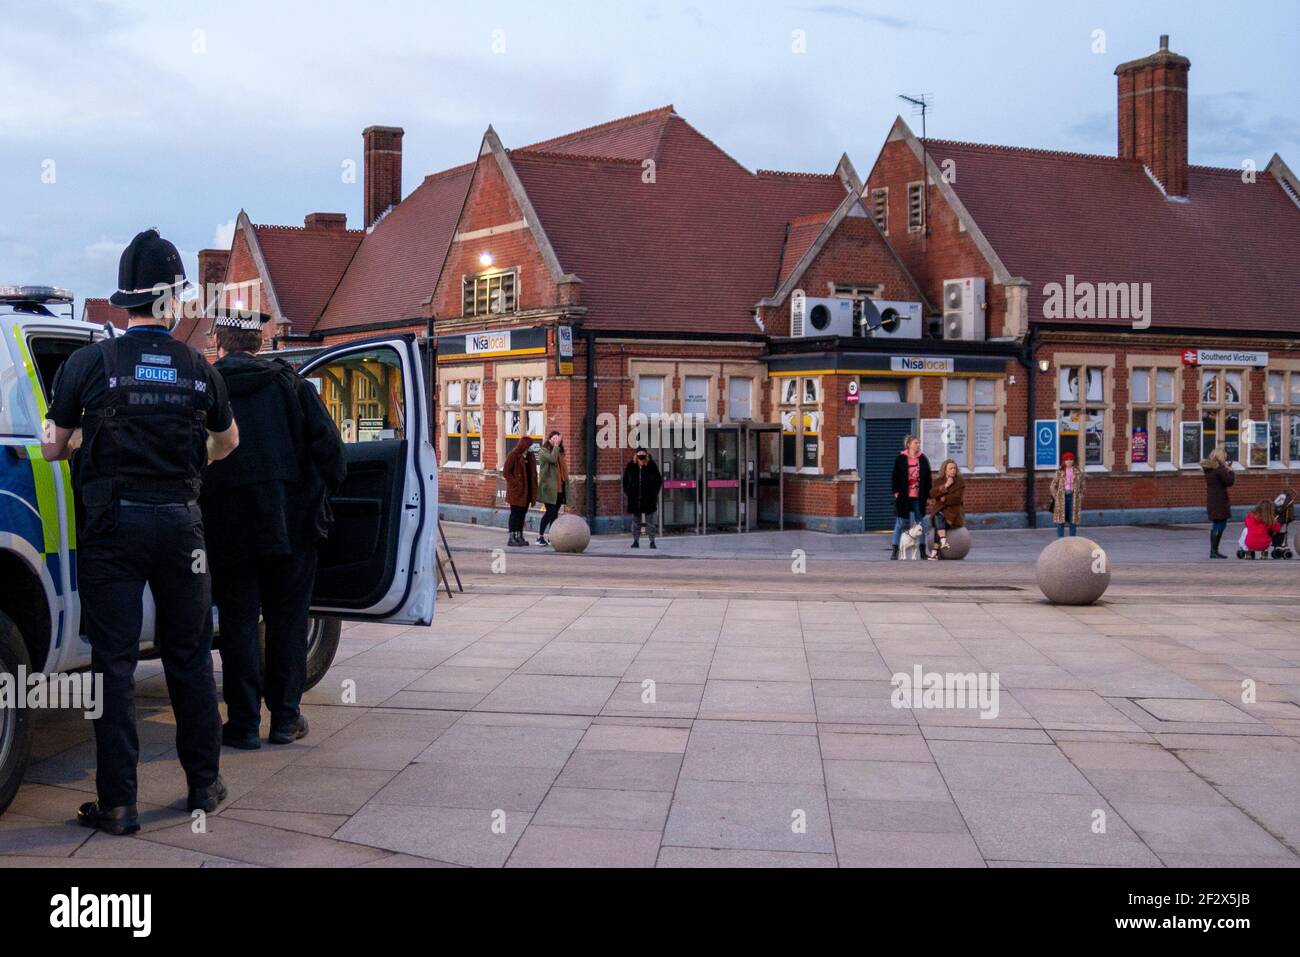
[[322, 646], [15, 723]]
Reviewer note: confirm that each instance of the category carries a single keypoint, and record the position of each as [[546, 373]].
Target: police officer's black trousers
[[279, 587], [161, 545]]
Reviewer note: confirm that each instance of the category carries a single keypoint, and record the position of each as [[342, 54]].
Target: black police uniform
[[143, 401], [266, 509]]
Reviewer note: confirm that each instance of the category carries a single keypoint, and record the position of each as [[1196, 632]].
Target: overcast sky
[[123, 114]]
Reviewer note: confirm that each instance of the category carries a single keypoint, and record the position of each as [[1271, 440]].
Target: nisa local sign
[[478, 343], [921, 365]]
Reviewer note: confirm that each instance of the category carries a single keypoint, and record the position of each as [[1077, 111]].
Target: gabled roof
[[396, 265], [633, 137], [303, 267], [1226, 258], [693, 250]]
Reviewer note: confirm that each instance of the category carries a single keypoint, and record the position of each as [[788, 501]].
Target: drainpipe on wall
[[1031, 372], [590, 428]]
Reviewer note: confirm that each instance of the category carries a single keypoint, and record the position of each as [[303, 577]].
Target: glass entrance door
[[679, 508], [764, 490], [723, 498]]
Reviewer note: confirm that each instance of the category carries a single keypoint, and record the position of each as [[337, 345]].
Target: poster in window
[[810, 390], [473, 392], [1139, 451], [535, 390], [789, 391], [933, 446], [984, 440], [536, 422], [1190, 434], [1257, 451], [514, 422], [956, 441], [810, 445], [512, 391], [474, 448], [695, 395], [1093, 454], [453, 393]]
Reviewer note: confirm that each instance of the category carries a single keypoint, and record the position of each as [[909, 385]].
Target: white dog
[[912, 540]]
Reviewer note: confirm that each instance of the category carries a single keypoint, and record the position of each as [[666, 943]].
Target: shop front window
[[1284, 419], [1151, 422], [650, 394], [695, 395], [971, 405], [740, 393], [463, 406], [1081, 397], [523, 409], [800, 410], [1221, 412]]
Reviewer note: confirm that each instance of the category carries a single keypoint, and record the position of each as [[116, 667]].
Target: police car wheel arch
[[15, 723]]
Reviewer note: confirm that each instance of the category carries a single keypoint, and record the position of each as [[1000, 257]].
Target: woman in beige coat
[[1067, 496]]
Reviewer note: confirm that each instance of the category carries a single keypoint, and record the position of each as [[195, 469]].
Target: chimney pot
[[383, 156], [1153, 115], [326, 221]]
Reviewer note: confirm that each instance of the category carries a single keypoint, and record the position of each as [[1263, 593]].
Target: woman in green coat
[[552, 475]]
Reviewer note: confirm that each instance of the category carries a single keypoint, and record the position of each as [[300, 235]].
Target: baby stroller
[[1280, 546]]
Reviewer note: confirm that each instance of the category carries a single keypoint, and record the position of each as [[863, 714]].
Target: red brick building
[[1006, 304]]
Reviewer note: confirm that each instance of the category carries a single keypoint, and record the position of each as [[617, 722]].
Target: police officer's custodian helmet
[[150, 268]]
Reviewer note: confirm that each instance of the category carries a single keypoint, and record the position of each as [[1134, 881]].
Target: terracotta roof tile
[[693, 251], [306, 266], [100, 311], [396, 266], [1224, 259]]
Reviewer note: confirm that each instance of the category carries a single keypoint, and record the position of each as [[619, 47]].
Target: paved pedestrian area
[[526, 730]]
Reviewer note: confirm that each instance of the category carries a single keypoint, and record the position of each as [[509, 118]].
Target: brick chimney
[[212, 271], [1153, 115], [383, 146], [331, 221]]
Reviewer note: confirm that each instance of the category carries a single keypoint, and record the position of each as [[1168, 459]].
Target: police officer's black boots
[[231, 738], [117, 821], [291, 732], [207, 799]]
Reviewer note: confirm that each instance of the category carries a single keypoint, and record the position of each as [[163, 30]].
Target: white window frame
[[1105, 364], [464, 408], [966, 412], [1288, 409], [1153, 406], [1220, 408], [800, 409]]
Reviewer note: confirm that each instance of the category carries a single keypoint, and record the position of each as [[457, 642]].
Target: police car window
[[365, 395], [49, 354]]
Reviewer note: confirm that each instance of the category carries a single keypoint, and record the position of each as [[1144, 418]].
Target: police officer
[[266, 508], [152, 413]]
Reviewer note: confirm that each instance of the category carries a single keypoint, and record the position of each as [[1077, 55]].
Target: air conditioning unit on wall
[[887, 319], [810, 318], [963, 308]]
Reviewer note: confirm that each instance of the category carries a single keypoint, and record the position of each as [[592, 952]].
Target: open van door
[[378, 562]]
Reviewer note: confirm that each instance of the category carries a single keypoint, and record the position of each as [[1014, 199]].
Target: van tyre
[[15, 723], [322, 646]]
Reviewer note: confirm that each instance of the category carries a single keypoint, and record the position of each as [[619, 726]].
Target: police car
[[378, 564]]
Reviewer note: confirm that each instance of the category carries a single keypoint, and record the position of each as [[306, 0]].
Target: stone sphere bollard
[[1073, 571], [569, 533], [958, 544]]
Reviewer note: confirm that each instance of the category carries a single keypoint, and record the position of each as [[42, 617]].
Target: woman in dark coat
[[911, 486], [520, 473], [946, 508], [641, 485], [1218, 478]]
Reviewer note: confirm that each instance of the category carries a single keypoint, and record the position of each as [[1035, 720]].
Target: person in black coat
[[266, 508], [641, 485], [911, 486]]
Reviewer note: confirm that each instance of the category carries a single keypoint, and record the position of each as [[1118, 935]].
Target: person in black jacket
[[911, 486], [641, 485], [266, 510]]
